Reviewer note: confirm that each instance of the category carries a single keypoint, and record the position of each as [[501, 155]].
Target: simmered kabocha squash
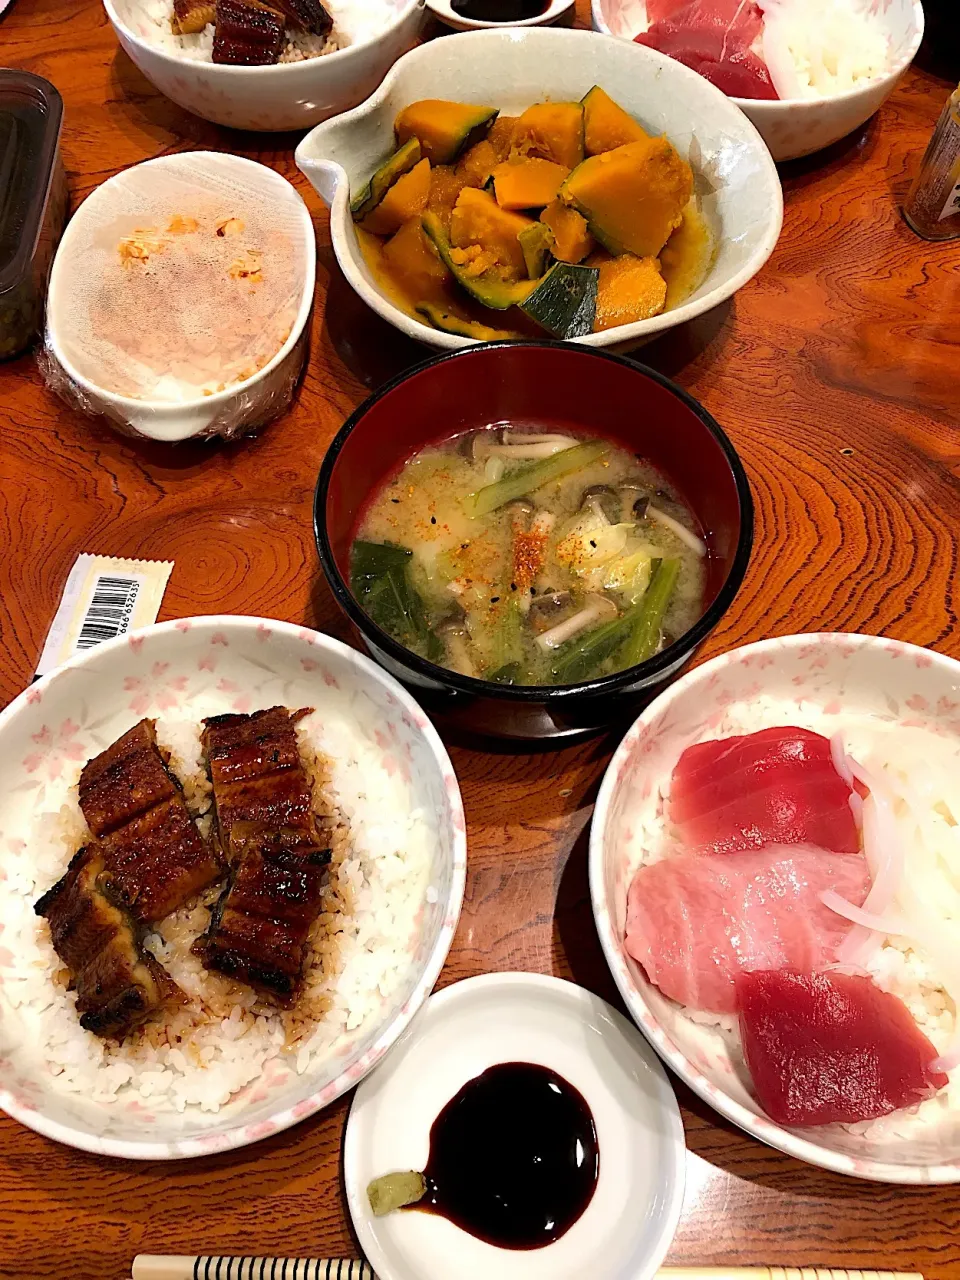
[[536, 242], [474, 271], [406, 199], [444, 129], [629, 289], [478, 221], [415, 264], [632, 197], [527, 182], [445, 187], [551, 130], [500, 136], [564, 303], [477, 164], [401, 162], [572, 240], [606, 125], [569, 216], [447, 322]]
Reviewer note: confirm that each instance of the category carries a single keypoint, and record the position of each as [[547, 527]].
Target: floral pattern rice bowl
[[238, 1070]]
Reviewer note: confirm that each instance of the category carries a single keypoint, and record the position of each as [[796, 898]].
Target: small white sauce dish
[[288, 95], [737, 182], [242, 407], [798, 127], [627, 1227], [554, 11]]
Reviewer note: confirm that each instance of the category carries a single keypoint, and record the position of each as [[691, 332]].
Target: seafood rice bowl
[[849, 903], [224, 1063]]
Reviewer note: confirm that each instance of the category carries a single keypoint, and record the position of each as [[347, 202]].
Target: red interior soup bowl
[[556, 387]]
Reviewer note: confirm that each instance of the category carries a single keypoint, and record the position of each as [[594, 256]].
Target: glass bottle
[[932, 208]]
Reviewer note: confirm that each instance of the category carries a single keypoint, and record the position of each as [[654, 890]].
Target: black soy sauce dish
[[514, 1159], [544, 383], [475, 15]]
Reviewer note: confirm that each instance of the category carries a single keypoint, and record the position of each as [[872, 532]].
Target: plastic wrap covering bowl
[[203, 265]]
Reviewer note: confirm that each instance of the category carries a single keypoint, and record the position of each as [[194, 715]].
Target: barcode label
[[110, 610], [104, 598]]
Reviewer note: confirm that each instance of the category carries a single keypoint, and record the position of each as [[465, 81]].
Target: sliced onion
[[840, 761], [887, 925], [886, 858], [856, 808], [683, 533]]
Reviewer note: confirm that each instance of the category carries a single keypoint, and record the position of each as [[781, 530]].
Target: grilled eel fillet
[[259, 928], [152, 851], [268, 832], [118, 984], [258, 776]]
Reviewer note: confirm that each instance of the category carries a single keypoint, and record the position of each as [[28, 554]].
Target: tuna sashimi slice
[[777, 786], [825, 1047], [694, 921], [715, 38]]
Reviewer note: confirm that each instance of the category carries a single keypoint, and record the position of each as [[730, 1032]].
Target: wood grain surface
[[835, 374]]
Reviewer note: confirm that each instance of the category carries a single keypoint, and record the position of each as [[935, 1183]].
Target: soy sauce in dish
[[513, 1157], [499, 10]]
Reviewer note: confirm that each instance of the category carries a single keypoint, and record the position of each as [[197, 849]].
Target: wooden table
[[835, 374]]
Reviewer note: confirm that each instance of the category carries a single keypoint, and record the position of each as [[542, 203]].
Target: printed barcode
[[111, 607]]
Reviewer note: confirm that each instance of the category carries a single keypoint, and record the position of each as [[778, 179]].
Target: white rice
[[883, 746], [225, 1036], [354, 22]]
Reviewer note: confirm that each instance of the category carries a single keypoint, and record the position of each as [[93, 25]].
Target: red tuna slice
[[778, 786], [694, 921], [825, 1047], [714, 38]]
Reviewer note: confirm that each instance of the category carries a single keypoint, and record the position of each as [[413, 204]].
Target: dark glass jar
[[33, 202]]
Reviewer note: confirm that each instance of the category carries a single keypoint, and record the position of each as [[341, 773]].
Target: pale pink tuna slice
[[827, 1047], [695, 921], [777, 786]]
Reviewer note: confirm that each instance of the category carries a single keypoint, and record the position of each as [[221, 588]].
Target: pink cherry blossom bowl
[[797, 127], [828, 682], [180, 672]]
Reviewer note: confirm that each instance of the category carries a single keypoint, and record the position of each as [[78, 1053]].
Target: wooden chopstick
[[153, 1267]]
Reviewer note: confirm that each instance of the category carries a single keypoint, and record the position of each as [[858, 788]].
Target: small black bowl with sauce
[[545, 383], [475, 15]]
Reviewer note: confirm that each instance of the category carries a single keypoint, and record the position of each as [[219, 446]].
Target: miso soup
[[529, 557]]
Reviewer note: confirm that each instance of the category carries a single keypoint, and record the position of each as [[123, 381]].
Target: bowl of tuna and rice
[[832, 63], [225, 1067], [896, 708], [317, 76]]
